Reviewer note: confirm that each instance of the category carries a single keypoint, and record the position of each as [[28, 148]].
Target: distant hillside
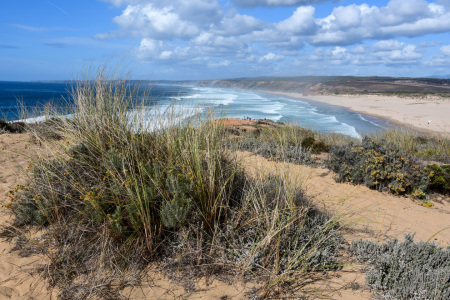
[[335, 84]]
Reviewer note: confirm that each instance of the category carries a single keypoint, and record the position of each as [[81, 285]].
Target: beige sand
[[18, 278], [372, 215], [411, 112]]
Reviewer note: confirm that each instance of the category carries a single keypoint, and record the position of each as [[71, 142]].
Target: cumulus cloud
[[445, 50], [166, 20], [234, 24], [271, 57], [381, 53], [351, 24], [212, 34], [348, 16], [151, 22], [301, 22], [387, 45]]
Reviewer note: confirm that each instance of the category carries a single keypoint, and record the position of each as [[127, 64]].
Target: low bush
[[316, 146], [379, 165], [406, 270], [439, 178]]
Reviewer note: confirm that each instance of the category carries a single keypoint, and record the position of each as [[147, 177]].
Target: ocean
[[229, 103]]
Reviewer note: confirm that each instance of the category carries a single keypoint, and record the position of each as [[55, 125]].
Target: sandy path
[[18, 279], [373, 214], [368, 214], [412, 112]]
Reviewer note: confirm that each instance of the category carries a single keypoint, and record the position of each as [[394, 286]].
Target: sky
[[218, 39]]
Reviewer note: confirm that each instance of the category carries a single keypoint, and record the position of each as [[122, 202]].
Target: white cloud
[[349, 16], [445, 50], [407, 53], [387, 45], [355, 23], [290, 44], [213, 34], [407, 10], [236, 24], [165, 20], [150, 22], [390, 53], [301, 22], [149, 49], [271, 57], [224, 63]]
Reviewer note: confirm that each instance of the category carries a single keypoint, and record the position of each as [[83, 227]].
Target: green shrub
[[439, 178], [406, 270], [308, 142], [320, 146], [378, 165], [316, 146]]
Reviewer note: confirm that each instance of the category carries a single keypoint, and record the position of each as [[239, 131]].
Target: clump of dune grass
[[128, 185]]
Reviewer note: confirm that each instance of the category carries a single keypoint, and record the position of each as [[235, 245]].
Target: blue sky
[[215, 39]]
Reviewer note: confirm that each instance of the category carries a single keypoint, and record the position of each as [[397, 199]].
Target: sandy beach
[[414, 113]]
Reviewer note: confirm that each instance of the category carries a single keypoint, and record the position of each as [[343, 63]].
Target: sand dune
[[370, 214]]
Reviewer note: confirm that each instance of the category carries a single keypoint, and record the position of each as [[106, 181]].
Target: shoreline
[[412, 113]]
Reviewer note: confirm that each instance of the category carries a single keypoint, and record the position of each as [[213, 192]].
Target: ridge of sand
[[405, 111]]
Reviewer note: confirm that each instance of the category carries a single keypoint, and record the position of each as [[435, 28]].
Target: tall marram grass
[[128, 185]]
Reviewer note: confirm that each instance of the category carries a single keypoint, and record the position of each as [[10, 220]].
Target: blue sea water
[[232, 103]]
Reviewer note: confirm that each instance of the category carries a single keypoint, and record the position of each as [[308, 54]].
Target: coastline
[[413, 113]]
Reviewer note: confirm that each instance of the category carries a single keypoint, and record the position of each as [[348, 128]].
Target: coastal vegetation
[[117, 191]]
